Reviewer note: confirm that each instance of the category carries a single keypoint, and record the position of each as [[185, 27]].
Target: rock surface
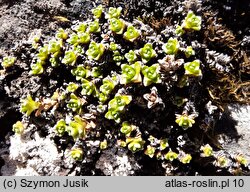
[[40, 155], [241, 143]]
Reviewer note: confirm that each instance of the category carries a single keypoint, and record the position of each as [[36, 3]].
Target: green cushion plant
[[75, 103], [97, 12], [111, 61], [186, 159], [193, 68], [108, 84], [151, 74], [88, 87], [189, 51], [119, 102], [8, 62], [18, 128], [131, 73], [80, 72], [61, 34], [207, 150], [150, 151], [72, 87], [28, 105], [131, 34], [76, 154], [170, 156], [113, 114], [60, 127], [116, 106], [36, 68], [95, 51], [192, 21], [131, 56], [114, 12], [126, 128], [171, 47], [147, 53], [135, 144], [94, 27], [70, 58], [77, 128], [116, 25], [81, 27], [185, 121]]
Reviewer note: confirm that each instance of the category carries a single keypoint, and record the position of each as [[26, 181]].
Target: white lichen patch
[[242, 115], [34, 156], [116, 164]]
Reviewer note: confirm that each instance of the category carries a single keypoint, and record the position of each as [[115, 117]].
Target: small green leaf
[[184, 121], [171, 156], [131, 73], [151, 74], [80, 28], [171, 47], [189, 51], [97, 12], [113, 46], [192, 22], [131, 34], [83, 38], [43, 53], [28, 105], [95, 51], [150, 151], [221, 161], [96, 72], [116, 25], [77, 128], [113, 115], [119, 102], [135, 144], [131, 56], [75, 103], [72, 87], [37, 68], [60, 127], [147, 53], [179, 30], [193, 68], [241, 159], [117, 57], [76, 154], [88, 88], [102, 97], [80, 72], [103, 145], [114, 12], [54, 46], [73, 39], [8, 62], [70, 58], [94, 27], [186, 159], [18, 127], [61, 34], [107, 86], [163, 144], [54, 61], [126, 128], [207, 150]]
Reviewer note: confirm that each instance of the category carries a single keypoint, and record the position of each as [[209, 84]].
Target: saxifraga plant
[[117, 68]]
